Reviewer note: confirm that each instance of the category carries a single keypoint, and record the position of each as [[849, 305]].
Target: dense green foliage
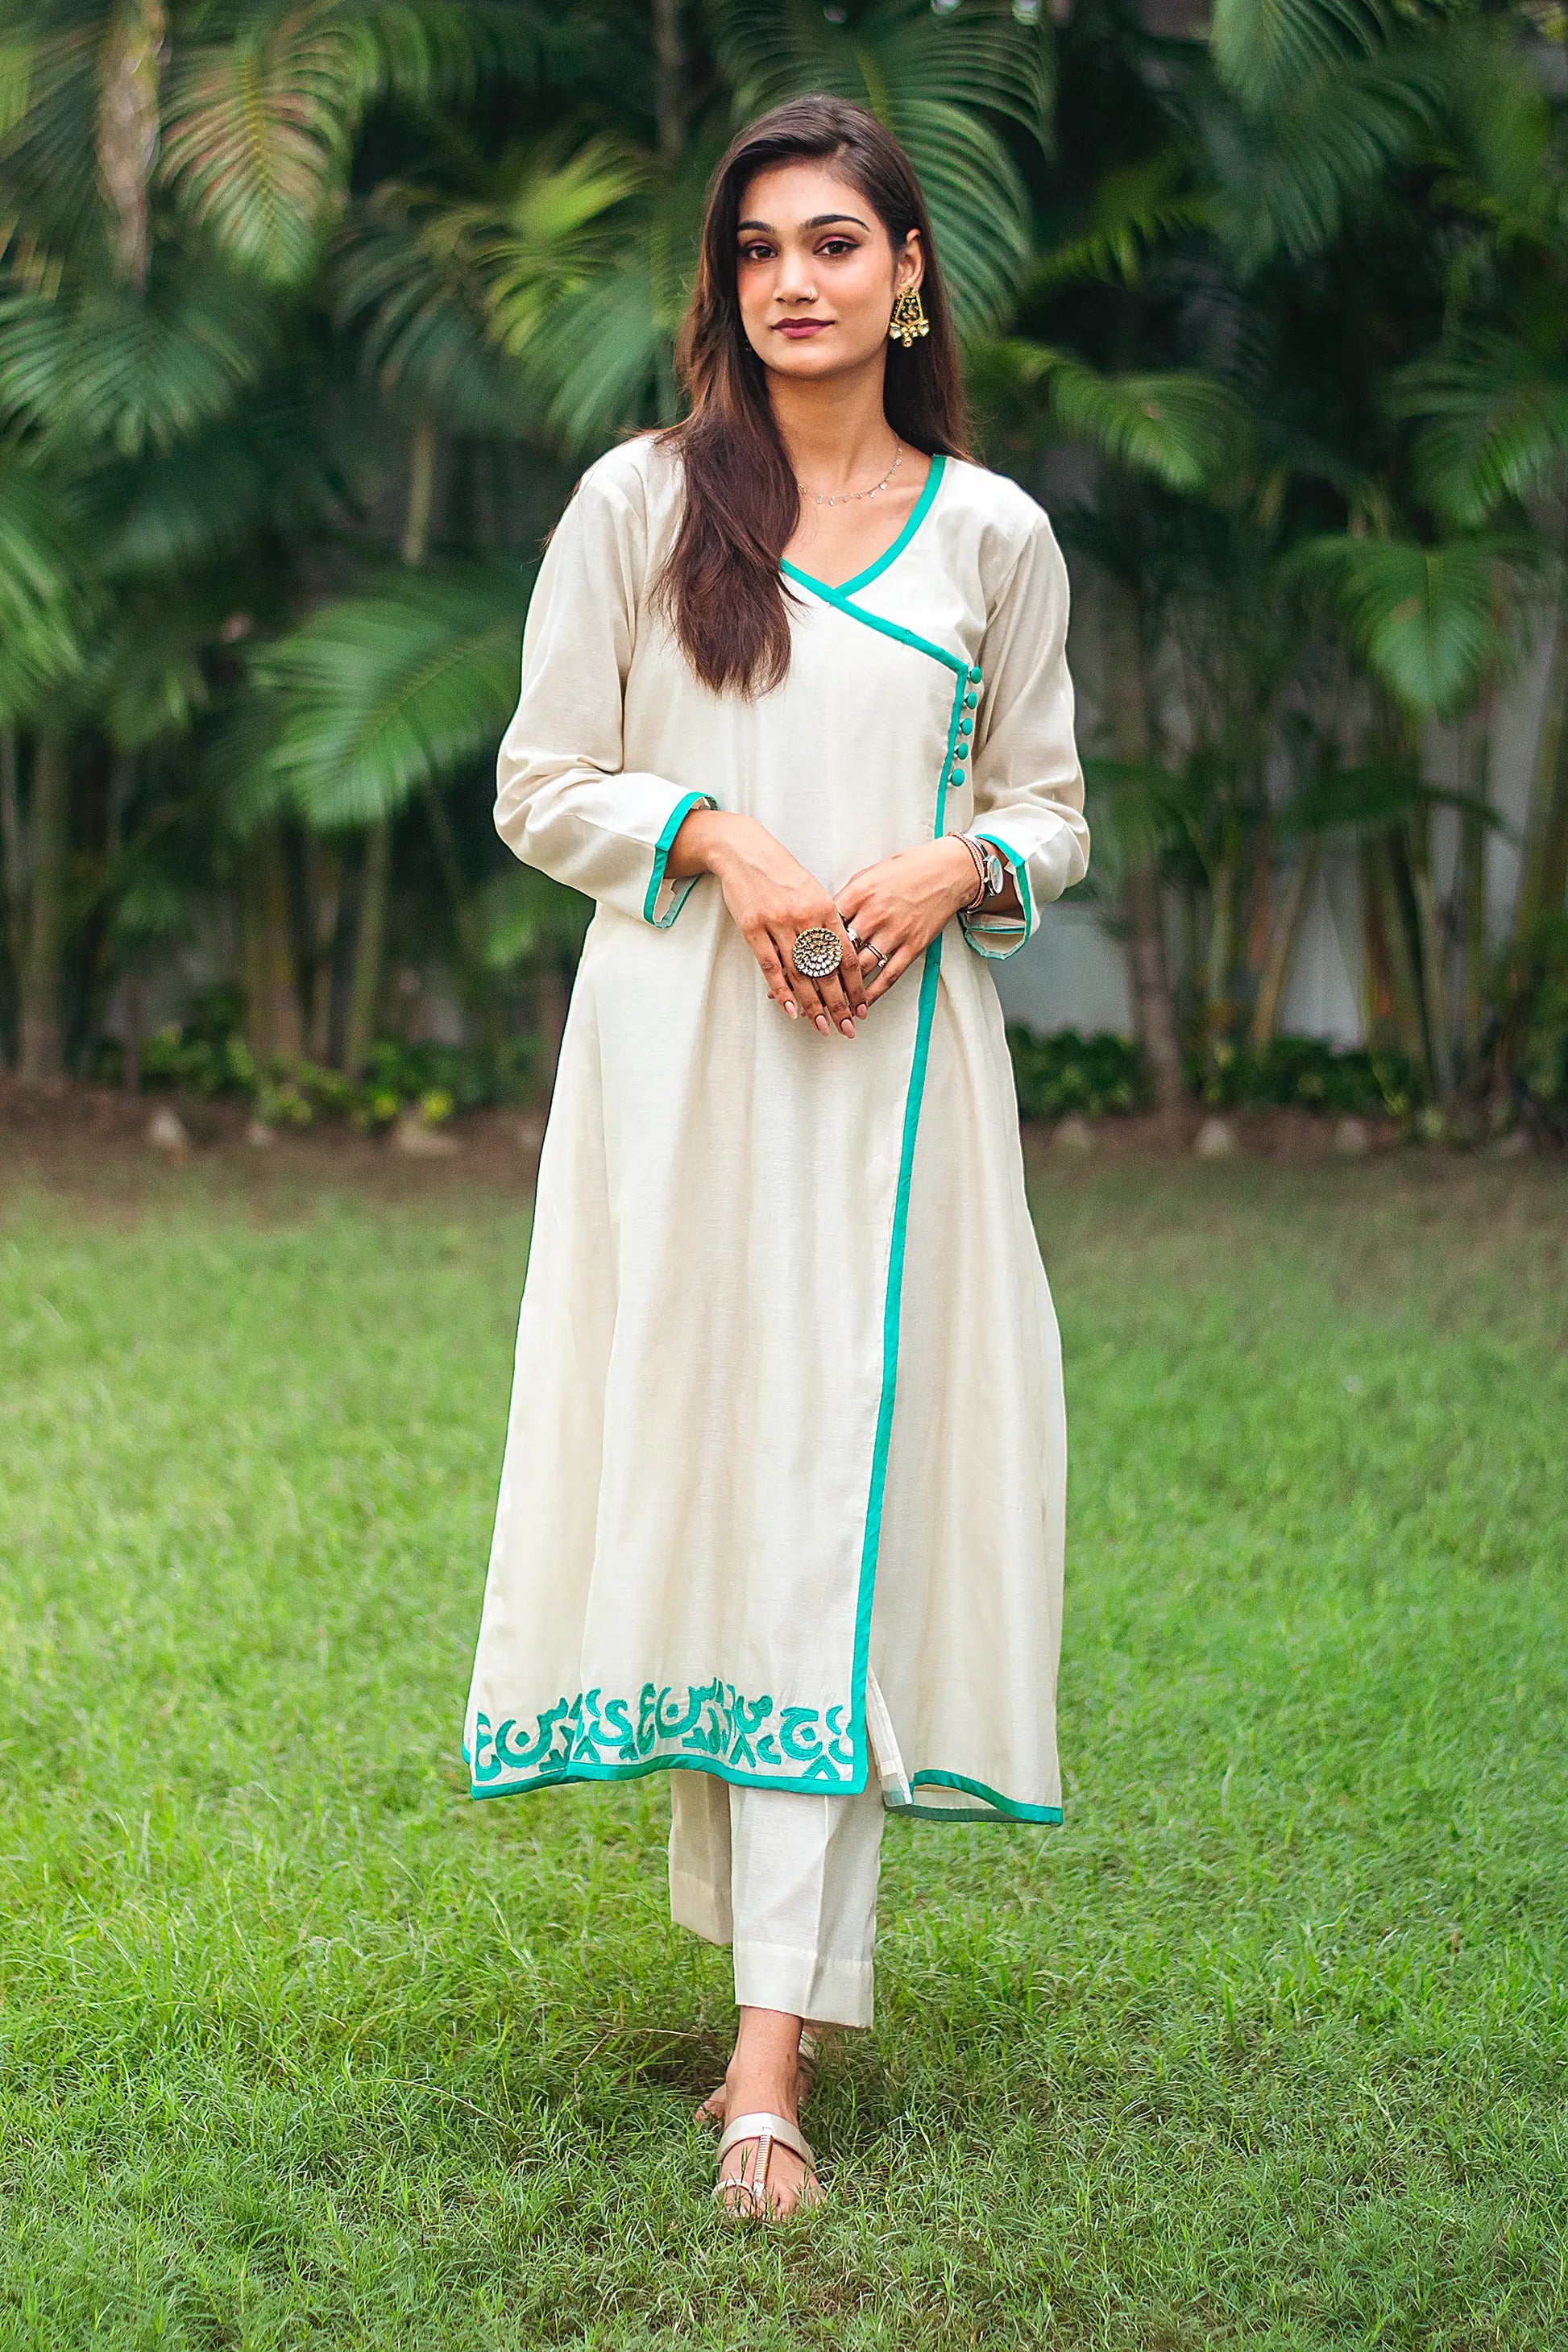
[[309, 314], [1264, 2047]]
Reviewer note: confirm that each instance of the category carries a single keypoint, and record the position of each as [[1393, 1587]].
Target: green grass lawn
[[1264, 2047]]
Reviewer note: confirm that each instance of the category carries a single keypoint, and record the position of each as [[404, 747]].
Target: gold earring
[[909, 319]]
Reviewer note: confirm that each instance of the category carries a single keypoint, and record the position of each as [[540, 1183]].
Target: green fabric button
[[974, 675]]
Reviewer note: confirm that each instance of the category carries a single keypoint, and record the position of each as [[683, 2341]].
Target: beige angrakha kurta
[[782, 1492]]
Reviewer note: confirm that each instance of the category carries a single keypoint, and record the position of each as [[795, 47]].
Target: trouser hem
[[697, 1904], [802, 1984]]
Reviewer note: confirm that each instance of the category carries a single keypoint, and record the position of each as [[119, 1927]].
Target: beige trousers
[[790, 1880]]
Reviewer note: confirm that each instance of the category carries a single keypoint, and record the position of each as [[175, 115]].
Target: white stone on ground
[[166, 1132], [1216, 1139], [416, 1140], [1074, 1134]]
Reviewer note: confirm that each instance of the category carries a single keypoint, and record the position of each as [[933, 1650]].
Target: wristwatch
[[987, 865]]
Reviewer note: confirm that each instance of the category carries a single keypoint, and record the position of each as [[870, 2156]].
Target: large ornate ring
[[818, 952]]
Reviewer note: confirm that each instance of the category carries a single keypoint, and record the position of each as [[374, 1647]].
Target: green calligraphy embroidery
[[594, 1733]]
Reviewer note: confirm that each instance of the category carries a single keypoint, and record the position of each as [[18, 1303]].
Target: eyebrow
[[818, 220]]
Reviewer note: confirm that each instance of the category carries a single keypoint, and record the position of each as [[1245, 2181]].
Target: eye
[[756, 252], [835, 248]]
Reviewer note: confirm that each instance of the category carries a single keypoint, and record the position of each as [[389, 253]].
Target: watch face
[[993, 875]]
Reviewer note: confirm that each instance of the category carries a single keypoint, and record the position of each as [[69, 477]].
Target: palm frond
[[263, 467], [1495, 422], [979, 209], [100, 365], [403, 284], [49, 158], [42, 610], [392, 688], [1186, 430], [261, 117], [982, 55], [1430, 622], [1130, 212], [145, 679], [551, 234], [1264, 49], [597, 360], [258, 132]]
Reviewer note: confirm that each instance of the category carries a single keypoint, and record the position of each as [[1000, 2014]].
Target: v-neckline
[[917, 515]]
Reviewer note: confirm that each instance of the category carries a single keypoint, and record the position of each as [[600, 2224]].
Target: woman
[[781, 1502]]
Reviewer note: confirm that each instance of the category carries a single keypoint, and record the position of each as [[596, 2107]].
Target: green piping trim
[[917, 512], [874, 621], [1021, 878], [661, 847], [1011, 1808], [569, 1774], [893, 1300], [1006, 1808]]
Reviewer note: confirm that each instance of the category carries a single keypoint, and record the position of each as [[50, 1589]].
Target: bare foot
[[764, 2078], [715, 2107]]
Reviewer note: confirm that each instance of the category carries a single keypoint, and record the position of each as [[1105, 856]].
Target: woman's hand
[[773, 899], [900, 904]]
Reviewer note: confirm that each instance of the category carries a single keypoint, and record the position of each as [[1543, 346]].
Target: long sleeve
[[563, 801], [1028, 785]]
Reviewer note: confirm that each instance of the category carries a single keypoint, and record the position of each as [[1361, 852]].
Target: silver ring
[[818, 951], [871, 949]]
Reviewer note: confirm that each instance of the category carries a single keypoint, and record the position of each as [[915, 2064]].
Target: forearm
[[701, 846]]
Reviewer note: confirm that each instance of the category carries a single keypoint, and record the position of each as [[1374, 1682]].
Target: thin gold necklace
[[847, 498]]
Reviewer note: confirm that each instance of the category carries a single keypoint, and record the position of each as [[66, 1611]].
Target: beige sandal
[[746, 2197]]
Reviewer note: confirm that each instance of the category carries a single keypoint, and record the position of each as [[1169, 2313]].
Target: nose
[[795, 283]]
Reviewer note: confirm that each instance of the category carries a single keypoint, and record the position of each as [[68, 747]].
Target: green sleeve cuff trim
[[661, 848], [1016, 931]]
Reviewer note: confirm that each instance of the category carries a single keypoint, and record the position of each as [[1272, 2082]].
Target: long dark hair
[[722, 586]]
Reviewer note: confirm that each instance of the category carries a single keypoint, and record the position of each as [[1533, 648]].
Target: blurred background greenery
[[311, 313]]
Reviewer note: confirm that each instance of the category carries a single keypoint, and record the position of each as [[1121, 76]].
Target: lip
[[800, 330]]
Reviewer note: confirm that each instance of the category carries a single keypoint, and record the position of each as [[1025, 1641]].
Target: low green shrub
[[1540, 1063], [1308, 1073], [1066, 1071], [206, 1054]]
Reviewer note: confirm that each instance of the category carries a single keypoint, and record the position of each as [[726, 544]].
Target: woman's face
[[815, 272]]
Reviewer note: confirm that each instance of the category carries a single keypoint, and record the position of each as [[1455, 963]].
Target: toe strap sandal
[[747, 2196]]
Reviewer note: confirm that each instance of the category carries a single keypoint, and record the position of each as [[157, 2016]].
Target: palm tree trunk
[[370, 947], [421, 492], [1283, 950], [274, 1026], [1473, 892], [1427, 955], [131, 64], [1126, 706], [134, 1029], [11, 851], [1224, 885], [669, 79], [1544, 876], [38, 994], [324, 871]]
